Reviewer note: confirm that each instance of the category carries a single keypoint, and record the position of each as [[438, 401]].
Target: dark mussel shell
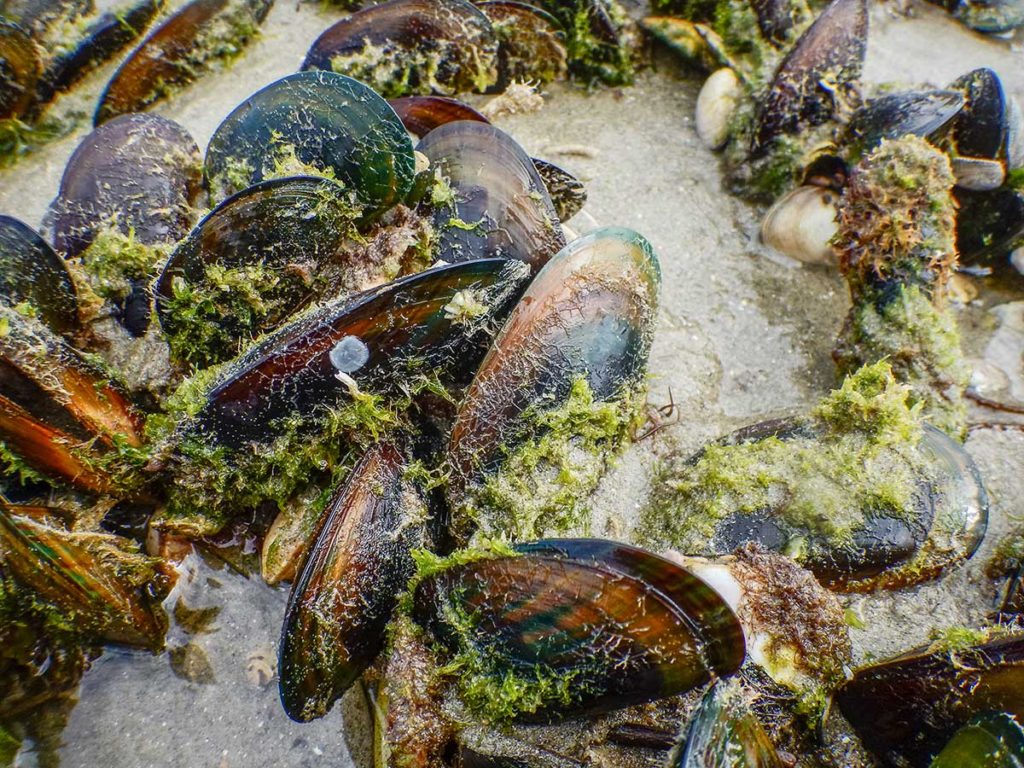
[[20, 68], [724, 733], [95, 598], [177, 51], [404, 326], [422, 114], [411, 46], [830, 53], [906, 708], [988, 226], [990, 740], [624, 625], [105, 36], [31, 272], [588, 313], [929, 114], [990, 124], [39, 17], [332, 123], [357, 566], [778, 18], [531, 49], [292, 227], [501, 207], [138, 173], [58, 412], [568, 194], [990, 16]]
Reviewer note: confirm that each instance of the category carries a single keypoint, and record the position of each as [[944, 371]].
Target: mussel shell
[[777, 18], [832, 49], [453, 32], [724, 733], [138, 173], [333, 122], [31, 272], [989, 225], [982, 129], [531, 45], [96, 599], [568, 194], [103, 38], [498, 194], [904, 709], [166, 57], [921, 113], [990, 16], [990, 740], [404, 322], [20, 68], [589, 313], [281, 225], [39, 17], [626, 625], [343, 598], [422, 114]]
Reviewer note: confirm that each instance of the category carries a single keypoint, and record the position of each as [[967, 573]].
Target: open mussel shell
[[173, 54], [830, 51], [137, 173], [531, 45], [724, 733], [589, 313], [990, 740], [988, 226], [20, 68], [802, 223], [326, 122], [905, 709], [32, 273], [411, 46], [929, 114], [291, 227], [84, 583], [411, 323], [422, 114], [626, 626], [101, 39], [357, 566], [501, 207], [568, 193], [57, 411]]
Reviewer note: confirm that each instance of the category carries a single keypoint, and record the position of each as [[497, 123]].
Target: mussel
[[35, 278], [991, 740], [723, 733]]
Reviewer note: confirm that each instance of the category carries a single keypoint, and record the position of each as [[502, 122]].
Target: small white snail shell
[[715, 105], [802, 224]]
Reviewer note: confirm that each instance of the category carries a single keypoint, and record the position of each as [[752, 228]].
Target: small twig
[[659, 418], [995, 405], [1004, 425]]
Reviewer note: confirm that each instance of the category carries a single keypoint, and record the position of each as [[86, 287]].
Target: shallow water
[[743, 334]]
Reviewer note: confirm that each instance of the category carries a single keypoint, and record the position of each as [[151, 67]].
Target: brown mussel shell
[[501, 207], [531, 49], [32, 273], [137, 173], [626, 626], [356, 567], [905, 709], [172, 54], [422, 114], [819, 74], [20, 68], [411, 46]]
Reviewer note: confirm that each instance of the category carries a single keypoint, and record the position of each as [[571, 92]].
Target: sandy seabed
[[743, 334]]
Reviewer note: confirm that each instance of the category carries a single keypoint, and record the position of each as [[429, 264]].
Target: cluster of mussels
[[389, 374]]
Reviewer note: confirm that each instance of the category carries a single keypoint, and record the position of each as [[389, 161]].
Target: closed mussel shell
[[531, 44], [411, 46], [568, 193], [289, 229], [325, 122], [137, 173], [412, 321], [982, 129], [989, 225], [595, 615], [905, 709], [20, 66], [348, 586], [990, 740], [31, 272], [832, 49], [589, 313], [724, 733], [501, 207], [929, 114], [422, 114], [177, 51]]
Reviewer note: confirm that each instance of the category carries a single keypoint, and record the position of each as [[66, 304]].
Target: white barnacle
[[465, 306], [348, 356]]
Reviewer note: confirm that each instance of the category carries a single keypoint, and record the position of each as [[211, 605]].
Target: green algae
[[114, 260], [855, 457]]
